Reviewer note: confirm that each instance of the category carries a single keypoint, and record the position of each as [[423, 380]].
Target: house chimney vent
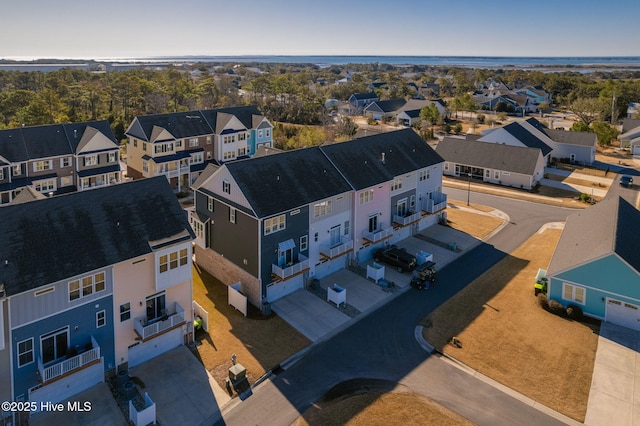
[[382, 157]]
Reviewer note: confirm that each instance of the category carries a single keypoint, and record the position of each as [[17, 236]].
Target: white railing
[[331, 252], [293, 269], [73, 363], [146, 329], [439, 202], [407, 220], [378, 235]]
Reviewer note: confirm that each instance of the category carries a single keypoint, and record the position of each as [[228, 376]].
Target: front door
[[401, 207], [156, 305], [373, 223], [334, 236], [54, 345]]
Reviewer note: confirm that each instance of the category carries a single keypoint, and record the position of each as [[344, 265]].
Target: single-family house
[[89, 282], [502, 164], [633, 109], [536, 95], [429, 90], [179, 145], [381, 109], [58, 158], [409, 113], [630, 137], [596, 264], [360, 100]]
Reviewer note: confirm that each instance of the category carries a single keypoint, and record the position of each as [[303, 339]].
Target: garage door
[[624, 314], [277, 290], [144, 351]]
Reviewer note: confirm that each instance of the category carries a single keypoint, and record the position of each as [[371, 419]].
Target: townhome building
[[179, 145], [273, 222], [58, 158], [90, 282]]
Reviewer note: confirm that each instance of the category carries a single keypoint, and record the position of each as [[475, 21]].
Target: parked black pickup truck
[[403, 261]]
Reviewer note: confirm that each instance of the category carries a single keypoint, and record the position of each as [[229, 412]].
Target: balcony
[[85, 357], [380, 234], [287, 271], [435, 204], [407, 219], [331, 252], [147, 329]]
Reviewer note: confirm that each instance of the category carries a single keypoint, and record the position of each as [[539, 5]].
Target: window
[[25, 352], [573, 293], [54, 345], [487, 174], [423, 175], [90, 160], [39, 166], [196, 158], [65, 162], [346, 228], [242, 151], [208, 140], [366, 197], [242, 136], [99, 281], [1, 174], [164, 260], [198, 228], [179, 143], [259, 133], [322, 208], [184, 256], [65, 181], [144, 146], [209, 155], [210, 204], [46, 185], [111, 157], [396, 184], [87, 286], [156, 306], [229, 155], [232, 215], [228, 139], [17, 170], [412, 202], [496, 174], [226, 186], [193, 142], [135, 143], [274, 224], [101, 318], [315, 237], [74, 290], [267, 133], [145, 166], [446, 166], [162, 148], [125, 311], [173, 260], [304, 242]]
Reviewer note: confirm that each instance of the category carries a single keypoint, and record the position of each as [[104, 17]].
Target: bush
[[574, 312], [585, 197], [543, 301], [556, 307]]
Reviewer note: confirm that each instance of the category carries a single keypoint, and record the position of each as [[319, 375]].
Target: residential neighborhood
[[190, 265]]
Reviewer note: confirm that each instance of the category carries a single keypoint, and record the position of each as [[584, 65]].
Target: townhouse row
[[60, 158], [91, 283], [274, 222]]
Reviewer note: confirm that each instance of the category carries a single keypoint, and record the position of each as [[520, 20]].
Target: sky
[[89, 29]]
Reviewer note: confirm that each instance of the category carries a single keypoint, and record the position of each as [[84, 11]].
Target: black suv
[[403, 261]]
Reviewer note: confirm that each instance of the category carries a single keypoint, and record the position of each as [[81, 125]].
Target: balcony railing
[[435, 204], [378, 235], [407, 220], [287, 271], [70, 364], [150, 328], [332, 252]]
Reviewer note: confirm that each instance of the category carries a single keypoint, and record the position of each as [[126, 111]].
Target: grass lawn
[[259, 342], [381, 409], [507, 336], [478, 225], [576, 181]]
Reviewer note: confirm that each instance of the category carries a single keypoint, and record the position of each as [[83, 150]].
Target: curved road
[[382, 344]]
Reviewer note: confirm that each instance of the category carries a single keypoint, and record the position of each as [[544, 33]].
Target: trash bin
[[266, 308], [129, 390], [123, 377]]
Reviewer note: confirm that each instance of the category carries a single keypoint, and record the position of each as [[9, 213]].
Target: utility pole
[[613, 108]]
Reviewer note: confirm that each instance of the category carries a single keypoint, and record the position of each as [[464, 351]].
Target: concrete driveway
[[614, 398]]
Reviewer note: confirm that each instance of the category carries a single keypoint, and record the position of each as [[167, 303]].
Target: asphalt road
[[382, 344]]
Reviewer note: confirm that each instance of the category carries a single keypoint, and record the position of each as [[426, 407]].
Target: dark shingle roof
[[526, 138], [629, 124], [360, 160], [277, 183], [496, 156], [387, 106], [361, 96], [48, 240], [610, 226], [572, 138]]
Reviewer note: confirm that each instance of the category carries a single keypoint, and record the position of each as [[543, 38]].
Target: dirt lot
[[259, 342], [507, 336], [473, 223]]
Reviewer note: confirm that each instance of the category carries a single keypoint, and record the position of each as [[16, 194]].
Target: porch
[[295, 267], [407, 219], [382, 233], [78, 357], [435, 204], [149, 328], [331, 252]]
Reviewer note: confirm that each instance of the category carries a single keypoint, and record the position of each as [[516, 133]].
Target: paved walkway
[[614, 398], [501, 191], [597, 191]]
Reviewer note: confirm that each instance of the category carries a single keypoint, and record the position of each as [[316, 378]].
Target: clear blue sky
[[145, 28]]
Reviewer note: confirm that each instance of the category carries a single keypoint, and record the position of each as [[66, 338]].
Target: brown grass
[[508, 337], [576, 181], [478, 207], [478, 225], [372, 409], [259, 342]]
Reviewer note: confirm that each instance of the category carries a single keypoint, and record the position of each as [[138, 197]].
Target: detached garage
[[596, 264]]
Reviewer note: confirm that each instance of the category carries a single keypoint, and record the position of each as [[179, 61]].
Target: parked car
[[626, 181], [403, 261]]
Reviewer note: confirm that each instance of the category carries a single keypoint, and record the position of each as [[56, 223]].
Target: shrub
[[574, 312], [543, 301], [556, 307], [585, 197]]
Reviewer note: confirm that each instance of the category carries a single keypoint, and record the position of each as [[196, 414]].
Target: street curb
[[497, 385]]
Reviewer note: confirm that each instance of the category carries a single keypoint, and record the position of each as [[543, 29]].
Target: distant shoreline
[[568, 63]]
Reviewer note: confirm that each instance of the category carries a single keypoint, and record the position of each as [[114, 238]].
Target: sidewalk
[[501, 191]]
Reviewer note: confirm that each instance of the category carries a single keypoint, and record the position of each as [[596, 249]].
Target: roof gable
[[93, 140], [527, 138], [159, 134]]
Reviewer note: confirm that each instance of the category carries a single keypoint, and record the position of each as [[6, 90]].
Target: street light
[[469, 187]]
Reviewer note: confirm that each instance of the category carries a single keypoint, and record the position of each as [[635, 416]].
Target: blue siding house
[[596, 264]]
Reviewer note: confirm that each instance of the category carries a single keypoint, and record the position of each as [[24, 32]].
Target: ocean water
[[460, 61]]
